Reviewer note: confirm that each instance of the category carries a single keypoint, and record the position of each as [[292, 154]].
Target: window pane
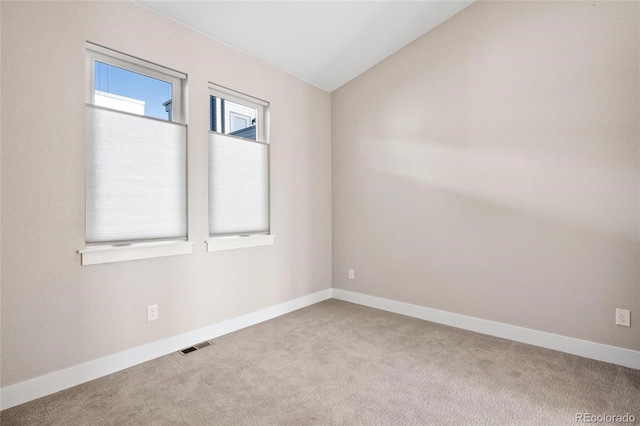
[[128, 91], [232, 118]]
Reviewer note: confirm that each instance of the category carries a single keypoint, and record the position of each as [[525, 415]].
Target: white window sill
[[108, 254], [236, 242]]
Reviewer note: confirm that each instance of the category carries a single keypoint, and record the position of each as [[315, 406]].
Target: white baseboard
[[29, 390], [597, 351], [38, 387]]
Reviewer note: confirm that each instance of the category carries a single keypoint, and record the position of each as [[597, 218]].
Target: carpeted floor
[[336, 363]]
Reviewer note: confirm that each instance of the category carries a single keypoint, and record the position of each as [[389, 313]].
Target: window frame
[[98, 253], [262, 107], [107, 56]]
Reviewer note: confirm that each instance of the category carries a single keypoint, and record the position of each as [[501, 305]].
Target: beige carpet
[[336, 363]]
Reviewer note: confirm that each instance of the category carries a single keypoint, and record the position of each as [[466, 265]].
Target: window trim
[[244, 240], [94, 255], [98, 253]]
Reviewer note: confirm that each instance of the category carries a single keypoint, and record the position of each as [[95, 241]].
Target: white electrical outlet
[[352, 274], [623, 317], [152, 312]]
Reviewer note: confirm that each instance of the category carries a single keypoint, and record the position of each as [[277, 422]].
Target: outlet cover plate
[[623, 317], [152, 312]]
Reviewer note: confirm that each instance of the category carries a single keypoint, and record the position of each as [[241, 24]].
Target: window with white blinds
[[238, 165], [238, 186], [136, 151], [136, 178]]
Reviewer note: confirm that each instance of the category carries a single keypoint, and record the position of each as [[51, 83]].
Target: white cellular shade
[[136, 178], [238, 186]]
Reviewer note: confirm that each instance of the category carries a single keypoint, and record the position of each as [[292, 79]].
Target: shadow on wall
[[573, 191]]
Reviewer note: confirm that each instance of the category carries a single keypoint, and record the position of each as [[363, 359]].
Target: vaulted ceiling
[[326, 43]]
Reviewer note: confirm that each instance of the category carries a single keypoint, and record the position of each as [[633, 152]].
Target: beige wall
[[491, 169], [56, 313]]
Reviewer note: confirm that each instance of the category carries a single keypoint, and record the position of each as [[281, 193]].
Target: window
[[238, 171], [136, 159], [234, 118], [128, 84]]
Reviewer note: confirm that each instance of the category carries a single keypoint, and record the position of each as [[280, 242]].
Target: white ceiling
[[326, 43]]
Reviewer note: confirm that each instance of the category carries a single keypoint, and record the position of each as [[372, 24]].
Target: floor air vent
[[194, 348]]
